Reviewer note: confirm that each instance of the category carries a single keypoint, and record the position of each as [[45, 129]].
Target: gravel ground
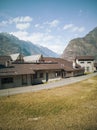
[[49, 85]]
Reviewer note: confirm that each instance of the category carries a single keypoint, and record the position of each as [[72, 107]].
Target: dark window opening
[[6, 80], [57, 73], [35, 76], [41, 75], [88, 62], [81, 62]]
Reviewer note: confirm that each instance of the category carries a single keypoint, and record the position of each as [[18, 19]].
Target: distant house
[[87, 62], [33, 71]]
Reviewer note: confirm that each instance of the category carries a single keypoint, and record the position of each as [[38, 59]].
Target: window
[[6, 80], [35, 76], [89, 62], [81, 62], [41, 75]]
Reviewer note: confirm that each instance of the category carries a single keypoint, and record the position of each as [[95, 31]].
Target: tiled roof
[[85, 57], [17, 69], [47, 65], [64, 64]]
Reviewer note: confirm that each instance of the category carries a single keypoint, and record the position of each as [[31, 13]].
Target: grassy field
[[72, 107]]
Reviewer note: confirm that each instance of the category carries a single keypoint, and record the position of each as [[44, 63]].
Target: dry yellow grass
[[73, 107]]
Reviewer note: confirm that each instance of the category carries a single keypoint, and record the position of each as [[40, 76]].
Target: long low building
[[20, 73]]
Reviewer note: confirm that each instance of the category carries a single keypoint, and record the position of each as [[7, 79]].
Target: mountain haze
[[10, 44], [82, 46]]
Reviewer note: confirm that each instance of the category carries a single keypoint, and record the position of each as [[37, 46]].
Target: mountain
[[82, 46], [10, 44]]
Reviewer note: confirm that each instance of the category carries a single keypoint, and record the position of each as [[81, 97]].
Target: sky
[[50, 23]]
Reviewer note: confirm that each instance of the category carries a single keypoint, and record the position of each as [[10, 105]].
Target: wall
[[88, 65], [17, 82], [51, 77], [78, 73], [69, 74], [7, 85]]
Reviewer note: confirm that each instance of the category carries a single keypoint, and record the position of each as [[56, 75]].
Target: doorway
[[46, 77]]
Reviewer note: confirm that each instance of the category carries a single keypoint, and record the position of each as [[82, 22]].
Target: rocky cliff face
[[82, 46]]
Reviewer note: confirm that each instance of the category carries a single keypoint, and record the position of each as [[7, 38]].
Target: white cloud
[[53, 23], [67, 26], [38, 26], [73, 28], [78, 29], [22, 35], [22, 19], [22, 26], [19, 21]]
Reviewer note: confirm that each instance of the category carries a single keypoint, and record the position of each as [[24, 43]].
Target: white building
[[33, 58], [87, 62]]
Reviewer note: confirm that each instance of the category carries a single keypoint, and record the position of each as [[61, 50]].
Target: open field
[[73, 107]]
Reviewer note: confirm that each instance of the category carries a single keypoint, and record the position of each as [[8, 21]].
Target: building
[[17, 58], [22, 73], [87, 62], [95, 67]]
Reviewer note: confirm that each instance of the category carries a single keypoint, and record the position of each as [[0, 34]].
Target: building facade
[[87, 62]]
